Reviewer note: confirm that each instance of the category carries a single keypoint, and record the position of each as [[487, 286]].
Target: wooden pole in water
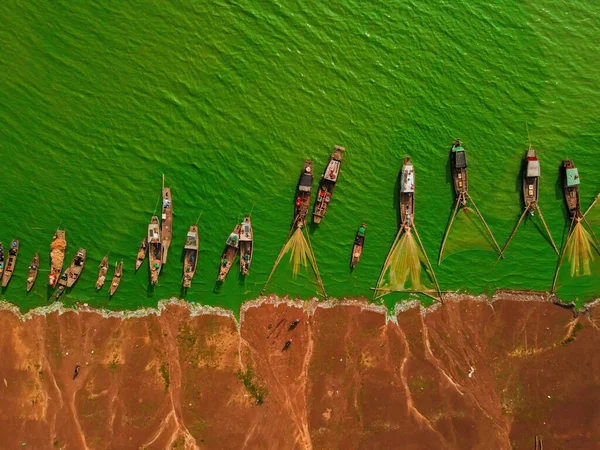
[[386, 261], [562, 254], [547, 229], [437, 286], [516, 228], [315, 268], [486, 226], [460, 197], [592, 232], [278, 259]]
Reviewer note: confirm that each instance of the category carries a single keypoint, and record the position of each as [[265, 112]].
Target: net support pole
[[486, 226], [461, 196], [315, 268], [278, 259], [562, 254], [547, 229], [437, 286], [385, 263], [515, 229]]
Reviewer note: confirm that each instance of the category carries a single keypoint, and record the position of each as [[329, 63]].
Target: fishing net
[[467, 232], [580, 251]]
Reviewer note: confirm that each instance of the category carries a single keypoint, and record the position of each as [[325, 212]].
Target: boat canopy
[[460, 157], [333, 170], [572, 177], [153, 233], [533, 168], [407, 182], [233, 240], [191, 243], [306, 181], [246, 233]]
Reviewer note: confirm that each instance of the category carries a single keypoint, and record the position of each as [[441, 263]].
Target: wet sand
[[469, 374]]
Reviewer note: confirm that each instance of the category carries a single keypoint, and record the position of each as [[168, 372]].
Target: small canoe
[[166, 228], [190, 259], [116, 279], [328, 182], [303, 192], [34, 268], [155, 249], [459, 169], [1, 259], [57, 256], [530, 180], [246, 245], [71, 275], [231, 250], [13, 252], [359, 242], [102, 271], [571, 187], [407, 193], [142, 252]]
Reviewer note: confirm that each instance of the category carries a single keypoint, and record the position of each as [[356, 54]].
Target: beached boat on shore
[[190, 258], [459, 171], [357, 248], [102, 271], [407, 193], [571, 187], [246, 245], [142, 252], [72, 273], [328, 183], [155, 249], [231, 250], [116, 279], [12, 261], [530, 181], [57, 256], [166, 226], [34, 268], [303, 193]]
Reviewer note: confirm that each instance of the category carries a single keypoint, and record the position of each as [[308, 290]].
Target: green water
[[227, 99]]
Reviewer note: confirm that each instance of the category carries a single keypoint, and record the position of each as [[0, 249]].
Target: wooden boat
[[166, 227], [246, 245], [13, 252], [459, 170], [359, 242], [71, 275], [34, 268], [530, 181], [142, 252], [327, 185], [231, 250], [57, 256], [571, 186], [102, 271], [116, 279], [303, 192], [155, 249], [407, 193], [190, 259], [1, 259]]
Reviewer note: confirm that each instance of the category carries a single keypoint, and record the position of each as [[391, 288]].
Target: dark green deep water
[[227, 99]]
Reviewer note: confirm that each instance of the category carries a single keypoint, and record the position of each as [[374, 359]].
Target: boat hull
[[166, 228], [33, 271], [116, 281], [328, 184], [357, 248], [229, 254], [190, 259], [571, 188], [11, 262]]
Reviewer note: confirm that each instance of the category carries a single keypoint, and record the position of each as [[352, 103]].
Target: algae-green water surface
[[227, 99]]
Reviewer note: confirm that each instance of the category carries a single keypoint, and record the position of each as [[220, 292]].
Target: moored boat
[[407, 193], [530, 181], [34, 268], [359, 242], [102, 271], [303, 192], [116, 279], [571, 187], [1, 259], [72, 273], [190, 258], [246, 245], [328, 183], [166, 227], [231, 250], [155, 249], [12, 260], [459, 170], [142, 252], [57, 256]]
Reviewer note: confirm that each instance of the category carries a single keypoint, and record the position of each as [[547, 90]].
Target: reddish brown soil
[[467, 375]]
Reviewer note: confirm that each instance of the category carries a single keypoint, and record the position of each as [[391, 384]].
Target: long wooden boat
[[246, 245], [571, 187], [531, 177], [72, 273], [13, 252], [154, 249], [57, 256], [407, 193], [328, 183], [231, 250], [142, 252], [34, 268], [166, 227], [116, 279], [102, 271], [459, 169], [359, 242], [190, 258], [303, 192]]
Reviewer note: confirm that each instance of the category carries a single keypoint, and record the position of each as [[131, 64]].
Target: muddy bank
[[469, 374]]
